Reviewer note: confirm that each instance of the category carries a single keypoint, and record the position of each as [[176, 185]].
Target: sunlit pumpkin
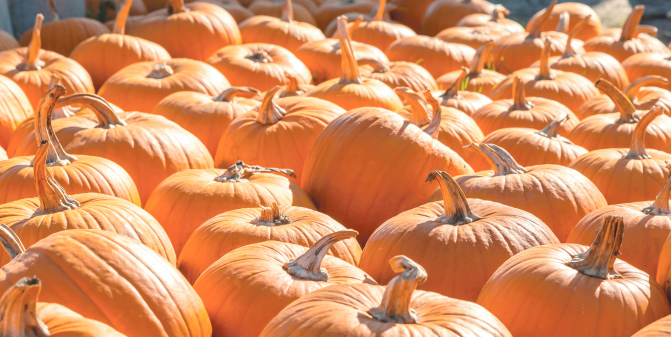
[[233, 7], [496, 20], [62, 36], [444, 14], [398, 74], [576, 12], [435, 55], [480, 80], [644, 93], [456, 97], [473, 37], [14, 109], [647, 64]]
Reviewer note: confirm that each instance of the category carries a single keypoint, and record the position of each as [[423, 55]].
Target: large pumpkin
[[62, 36], [483, 235], [443, 14], [14, 109], [456, 97], [646, 64], [577, 12], [435, 55], [644, 93], [480, 80], [398, 74]]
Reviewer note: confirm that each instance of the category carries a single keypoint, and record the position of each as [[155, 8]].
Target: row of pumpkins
[[217, 188]]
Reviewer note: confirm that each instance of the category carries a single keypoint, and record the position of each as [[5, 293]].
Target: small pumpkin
[[480, 80], [435, 55], [587, 283], [398, 74], [330, 10], [394, 310], [576, 12], [527, 189], [444, 14], [496, 20], [7, 41], [456, 97], [15, 108], [473, 37], [276, 9], [62, 36], [262, 278], [647, 64], [258, 65]]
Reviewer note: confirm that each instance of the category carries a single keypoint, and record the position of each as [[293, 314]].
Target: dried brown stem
[[599, 259], [18, 309], [395, 304], [52, 195], [231, 93], [107, 118], [457, 211], [44, 131], [501, 162], [552, 129], [622, 103], [308, 265], [239, 172]]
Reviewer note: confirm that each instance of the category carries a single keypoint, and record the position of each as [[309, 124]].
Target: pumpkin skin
[[466, 101], [398, 74], [237, 11], [333, 170], [207, 117], [286, 33], [101, 275], [444, 14], [7, 41], [659, 328], [486, 235], [141, 86], [437, 56], [3, 154], [137, 8], [645, 64], [516, 186], [480, 80], [496, 20], [576, 12], [259, 279], [275, 8], [241, 227], [412, 14], [473, 37], [62, 36], [14, 109], [258, 65], [330, 10], [545, 268]]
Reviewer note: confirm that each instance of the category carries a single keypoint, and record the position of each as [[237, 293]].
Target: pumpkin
[[520, 111], [293, 88], [394, 310], [644, 93], [351, 90], [276, 9], [153, 5], [31, 68], [258, 65], [592, 65], [3, 154], [141, 86], [482, 233], [435, 55], [473, 37], [532, 147], [284, 32], [496, 20], [242, 227], [366, 154], [444, 14], [659, 328], [646, 227], [628, 43], [175, 27], [109, 278], [527, 189], [646, 64], [576, 12], [587, 283], [263, 278], [116, 49], [333, 9], [14, 109], [237, 11], [23, 316], [187, 199], [356, 19], [628, 175], [207, 117], [7, 41], [410, 13], [480, 80], [62, 36], [450, 126], [614, 130], [104, 11], [455, 97], [567, 88], [398, 74]]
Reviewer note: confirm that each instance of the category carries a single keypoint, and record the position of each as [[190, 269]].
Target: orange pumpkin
[[444, 14], [587, 283], [461, 265], [643, 93], [398, 74], [480, 80], [141, 86], [496, 20], [7, 41], [576, 12], [351, 90], [207, 117], [233, 7], [567, 88], [258, 65], [357, 18], [473, 37], [435, 55], [261, 278], [187, 199], [332, 9], [3, 154], [659, 328], [520, 111], [118, 50], [410, 13], [455, 97], [395, 310], [276, 8], [32, 68], [527, 189], [62, 36], [242, 227], [646, 64], [14, 109]]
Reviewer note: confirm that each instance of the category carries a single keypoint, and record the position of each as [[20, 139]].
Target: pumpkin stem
[[107, 118], [562, 25], [419, 114], [599, 259], [32, 60], [395, 305], [380, 11], [637, 147], [661, 204], [481, 55], [18, 309], [453, 90], [457, 211], [121, 16], [11, 242], [647, 29], [269, 111], [568, 51], [229, 94], [552, 129], [349, 67], [378, 67], [536, 29], [544, 71], [271, 216], [634, 87], [287, 11], [433, 129], [160, 70], [44, 131], [308, 265], [519, 98], [630, 27], [239, 171], [292, 88], [52, 195], [66, 111], [499, 14], [501, 162], [176, 6], [622, 103]]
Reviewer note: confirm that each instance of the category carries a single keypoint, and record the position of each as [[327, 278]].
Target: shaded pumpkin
[[411, 12], [648, 64], [473, 37], [643, 93], [263, 278], [463, 100], [185, 200], [496, 20], [480, 80], [398, 74], [435, 55], [592, 275], [329, 10], [15, 108], [576, 12], [7, 41], [444, 14], [62, 36], [482, 235], [109, 11], [276, 8]]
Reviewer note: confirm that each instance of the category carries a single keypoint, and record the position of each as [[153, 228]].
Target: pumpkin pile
[[363, 168]]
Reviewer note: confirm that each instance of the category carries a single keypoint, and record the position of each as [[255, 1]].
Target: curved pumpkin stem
[[478, 62], [121, 16], [380, 10], [292, 88], [519, 98], [176, 6], [433, 129], [44, 131], [308, 265], [599, 259], [622, 103], [457, 212], [11, 242], [544, 71], [395, 305], [630, 27], [419, 114], [536, 29], [32, 60], [634, 87], [378, 67], [552, 129], [562, 25], [272, 216], [499, 14], [637, 147], [240, 172], [661, 204], [453, 90], [160, 70], [269, 111], [350, 69], [52, 195], [501, 162], [568, 51], [287, 11], [18, 309], [354, 26], [231, 93], [107, 118], [647, 29]]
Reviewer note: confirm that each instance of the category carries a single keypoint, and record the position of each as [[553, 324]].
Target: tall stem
[[519, 98], [308, 265], [622, 103], [272, 216], [564, 21], [229, 94], [544, 71], [349, 67], [419, 115], [44, 131], [287, 11], [269, 111], [433, 129], [629, 29], [480, 58], [536, 29], [380, 11], [11, 242], [292, 88], [634, 87], [395, 304], [52, 196], [637, 147], [661, 204], [501, 162], [457, 211], [568, 51], [32, 61], [239, 172], [453, 90], [107, 118], [599, 259], [18, 309], [121, 16], [552, 129]]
